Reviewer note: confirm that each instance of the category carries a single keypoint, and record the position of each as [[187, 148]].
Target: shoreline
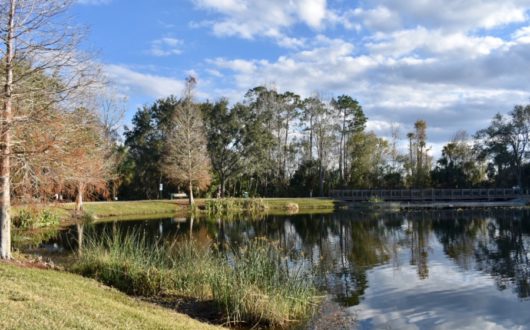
[[145, 209], [517, 203]]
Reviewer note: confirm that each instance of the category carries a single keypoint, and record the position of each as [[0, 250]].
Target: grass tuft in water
[[223, 206], [249, 284], [257, 288]]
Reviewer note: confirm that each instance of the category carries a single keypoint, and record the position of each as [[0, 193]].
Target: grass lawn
[[46, 299], [166, 208], [119, 209], [60, 211], [303, 203]]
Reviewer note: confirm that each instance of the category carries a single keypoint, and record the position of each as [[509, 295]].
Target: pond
[[426, 269]]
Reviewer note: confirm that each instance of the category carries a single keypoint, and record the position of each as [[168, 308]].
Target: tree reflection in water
[[341, 248]]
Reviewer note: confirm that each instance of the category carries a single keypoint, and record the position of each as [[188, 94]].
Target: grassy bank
[[148, 207], [46, 299], [270, 205], [251, 287], [114, 209], [304, 204], [36, 216]]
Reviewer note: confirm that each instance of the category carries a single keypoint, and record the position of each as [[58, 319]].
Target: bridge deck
[[427, 195]]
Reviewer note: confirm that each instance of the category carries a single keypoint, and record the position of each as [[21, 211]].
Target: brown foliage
[[186, 158]]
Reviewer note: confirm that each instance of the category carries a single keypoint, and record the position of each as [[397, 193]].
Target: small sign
[[161, 187]]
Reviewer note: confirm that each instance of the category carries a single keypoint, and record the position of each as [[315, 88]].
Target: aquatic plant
[[249, 283], [227, 206]]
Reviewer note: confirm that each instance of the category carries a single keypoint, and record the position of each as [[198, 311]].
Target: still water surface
[[416, 270]]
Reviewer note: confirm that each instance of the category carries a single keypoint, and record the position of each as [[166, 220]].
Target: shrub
[[375, 199], [292, 207], [32, 218]]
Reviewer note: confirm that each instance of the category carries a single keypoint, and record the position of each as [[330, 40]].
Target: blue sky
[[453, 63]]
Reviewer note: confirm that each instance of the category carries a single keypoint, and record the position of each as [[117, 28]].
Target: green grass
[[252, 286], [274, 205], [233, 206], [54, 210], [303, 203], [134, 217], [123, 209], [157, 208], [46, 299]]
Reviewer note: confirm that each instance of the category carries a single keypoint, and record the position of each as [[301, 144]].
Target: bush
[[33, 218], [292, 207], [375, 200]]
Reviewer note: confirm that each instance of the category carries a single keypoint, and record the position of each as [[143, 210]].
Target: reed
[[249, 284], [227, 206]]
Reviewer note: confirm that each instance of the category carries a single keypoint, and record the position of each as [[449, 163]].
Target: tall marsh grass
[[249, 284], [223, 206]]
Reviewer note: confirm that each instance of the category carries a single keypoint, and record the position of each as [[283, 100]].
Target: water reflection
[[420, 268]]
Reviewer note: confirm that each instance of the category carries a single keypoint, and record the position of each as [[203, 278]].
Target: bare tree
[[111, 108], [186, 157], [324, 140], [86, 164], [394, 152], [37, 39]]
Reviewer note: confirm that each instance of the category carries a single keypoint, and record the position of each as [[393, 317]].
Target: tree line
[[280, 144], [58, 135]]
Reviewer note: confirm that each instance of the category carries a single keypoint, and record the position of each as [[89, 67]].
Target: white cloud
[[522, 35], [464, 83], [379, 18], [248, 19], [94, 2], [312, 12], [403, 42], [461, 15], [453, 63], [165, 47], [137, 83], [400, 301]]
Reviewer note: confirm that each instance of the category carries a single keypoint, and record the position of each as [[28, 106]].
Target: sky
[[452, 63]]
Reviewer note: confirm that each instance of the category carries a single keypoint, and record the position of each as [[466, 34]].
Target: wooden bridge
[[427, 195]]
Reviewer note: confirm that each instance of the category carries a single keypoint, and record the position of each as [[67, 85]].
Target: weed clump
[[34, 217], [227, 206]]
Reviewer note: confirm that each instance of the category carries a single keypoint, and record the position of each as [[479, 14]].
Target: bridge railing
[[425, 194]]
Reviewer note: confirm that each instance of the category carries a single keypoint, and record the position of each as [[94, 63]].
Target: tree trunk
[[5, 141], [519, 175], [321, 180], [5, 202], [311, 139], [80, 230], [79, 198], [341, 151], [223, 186], [285, 149], [191, 226], [192, 201]]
